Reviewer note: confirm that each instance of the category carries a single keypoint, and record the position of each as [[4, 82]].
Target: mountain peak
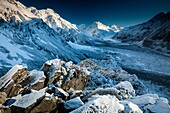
[[101, 26], [116, 28], [162, 16]]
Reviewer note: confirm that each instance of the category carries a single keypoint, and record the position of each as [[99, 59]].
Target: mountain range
[[87, 67], [29, 36]]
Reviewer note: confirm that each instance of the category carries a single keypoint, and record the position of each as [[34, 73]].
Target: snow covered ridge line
[[99, 30], [61, 86], [12, 11], [26, 38]]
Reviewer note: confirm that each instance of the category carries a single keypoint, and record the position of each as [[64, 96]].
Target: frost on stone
[[125, 88], [143, 100], [48, 104], [109, 73], [151, 103], [35, 80], [161, 106], [65, 75], [104, 91], [29, 100], [130, 107], [16, 73], [101, 104], [73, 103], [10, 83]]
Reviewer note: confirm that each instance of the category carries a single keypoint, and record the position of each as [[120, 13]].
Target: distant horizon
[[109, 12]]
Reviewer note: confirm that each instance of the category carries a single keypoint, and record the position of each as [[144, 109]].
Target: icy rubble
[[101, 104], [151, 103], [109, 73], [64, 87], [129, 107]]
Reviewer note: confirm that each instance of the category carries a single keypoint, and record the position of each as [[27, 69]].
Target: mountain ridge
[[153, 34]]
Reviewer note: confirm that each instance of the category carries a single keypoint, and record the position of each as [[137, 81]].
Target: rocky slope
[[27, 39], [61, 86], [153, 34], [67, 30]]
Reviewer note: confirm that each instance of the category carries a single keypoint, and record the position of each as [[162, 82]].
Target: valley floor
[[151, 67]]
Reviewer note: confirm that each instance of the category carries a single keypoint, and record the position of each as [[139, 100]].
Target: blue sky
[[119, 12]]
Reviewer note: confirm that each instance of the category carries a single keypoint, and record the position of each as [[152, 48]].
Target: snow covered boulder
[[121, 75], [143, 100], [130, 107], [25, 103], [101, 104], [35, 80], [161, 106], [126, 89], [12, 79], [123, 90], [48, 104], [65, 74], [151, 103], [73, 103], [104, 91]]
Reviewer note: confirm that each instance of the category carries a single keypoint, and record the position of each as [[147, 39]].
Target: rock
[[101, 104], [61, 93], [77, 79], [122, 75], [52, 69], [65, 75], [74, 93], [16, 88], [3, 97], [48, 104], [123, 90], [28, 101], [144, 100], [4, 109], [130, 107], [35, 80], [110, 73], [161, 106], [73, 103], [151, 103], [126, 89], [104, 91], [11, 80]]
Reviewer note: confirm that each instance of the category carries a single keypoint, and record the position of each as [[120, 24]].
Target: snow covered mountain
[[27, 39], [154, 34], [116, 28], [67, 30], [99, 30]]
